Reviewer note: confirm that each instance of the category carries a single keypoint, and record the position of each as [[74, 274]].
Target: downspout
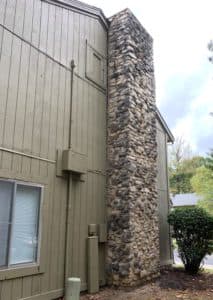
[[71, 100], [71, 285], [69, 185]]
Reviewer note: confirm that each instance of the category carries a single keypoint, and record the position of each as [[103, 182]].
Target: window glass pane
[[6, 193], [24, 238]]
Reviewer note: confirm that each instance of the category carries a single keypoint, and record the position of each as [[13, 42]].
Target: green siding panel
[[37, 43], [163, 197]]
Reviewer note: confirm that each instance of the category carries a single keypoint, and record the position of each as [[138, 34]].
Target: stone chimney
[[133, 226]]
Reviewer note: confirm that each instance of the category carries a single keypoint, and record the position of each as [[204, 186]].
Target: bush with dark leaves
[[193, 231]]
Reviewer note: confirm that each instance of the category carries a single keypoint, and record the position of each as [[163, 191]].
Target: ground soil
[[173, 284]]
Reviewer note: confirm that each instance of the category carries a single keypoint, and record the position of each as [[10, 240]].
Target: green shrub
[[193, 231]]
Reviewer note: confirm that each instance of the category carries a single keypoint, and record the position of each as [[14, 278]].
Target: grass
[[208, 270]]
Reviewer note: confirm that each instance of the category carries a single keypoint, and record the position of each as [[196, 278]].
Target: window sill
[[20, 272]]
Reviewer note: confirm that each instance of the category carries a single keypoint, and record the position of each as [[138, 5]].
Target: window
[[19, 223]]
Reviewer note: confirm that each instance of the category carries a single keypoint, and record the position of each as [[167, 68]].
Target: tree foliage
[[179, 181], [193, 231], [179, 151], [188, 174], [202, 183], [180, 177], [209, 161]]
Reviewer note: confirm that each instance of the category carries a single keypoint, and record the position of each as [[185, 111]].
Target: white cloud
[[181, 30], [197, 124]]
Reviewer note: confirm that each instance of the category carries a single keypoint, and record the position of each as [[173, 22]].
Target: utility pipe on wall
[[69, 187], [72, 289], [71, 97], [93, 264]]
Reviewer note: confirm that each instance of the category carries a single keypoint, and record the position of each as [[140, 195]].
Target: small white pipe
[[72, 290]]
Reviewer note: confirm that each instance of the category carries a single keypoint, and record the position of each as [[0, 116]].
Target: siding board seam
[[94, 85], [103, 90], [36, 48], [7, 93], [2, 38], [42, 113], [82, 8], [18, 89], [27, 155]]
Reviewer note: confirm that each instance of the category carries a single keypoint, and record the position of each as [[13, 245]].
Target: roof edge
[[83, 7], [165, 126]]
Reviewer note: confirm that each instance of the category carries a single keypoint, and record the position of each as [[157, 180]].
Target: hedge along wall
[[133, 226]]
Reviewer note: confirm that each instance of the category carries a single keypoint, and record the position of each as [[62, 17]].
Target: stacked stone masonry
[[133, 224]]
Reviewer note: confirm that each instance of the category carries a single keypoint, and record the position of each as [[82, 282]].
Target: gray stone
[[133, 229]]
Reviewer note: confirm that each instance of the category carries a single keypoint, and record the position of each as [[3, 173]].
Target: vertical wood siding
[[37, 43], [163, 196]]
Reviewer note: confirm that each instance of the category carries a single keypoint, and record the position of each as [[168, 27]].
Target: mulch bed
[[173, 284]]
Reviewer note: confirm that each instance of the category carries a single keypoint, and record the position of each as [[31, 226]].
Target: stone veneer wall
[[133, 226]]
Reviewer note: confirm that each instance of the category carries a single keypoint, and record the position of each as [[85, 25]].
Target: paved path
[[208, 261]]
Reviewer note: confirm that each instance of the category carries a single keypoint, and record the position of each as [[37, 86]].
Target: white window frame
[[28, 264]]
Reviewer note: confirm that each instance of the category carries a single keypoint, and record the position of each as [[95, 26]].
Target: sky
[[181, 30]]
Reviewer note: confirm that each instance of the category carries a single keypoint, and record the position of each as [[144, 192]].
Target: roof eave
[[171, 138], [82, 7]]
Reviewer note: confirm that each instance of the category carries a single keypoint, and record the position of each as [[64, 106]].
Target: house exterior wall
[[133, 238], [39, 101], [38, 40], [163, 196]]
